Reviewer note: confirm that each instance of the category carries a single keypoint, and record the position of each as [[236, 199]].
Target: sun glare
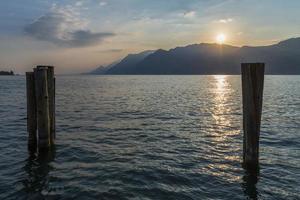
[[221, 38]]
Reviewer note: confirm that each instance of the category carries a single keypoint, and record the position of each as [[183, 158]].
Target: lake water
[[151, 137]]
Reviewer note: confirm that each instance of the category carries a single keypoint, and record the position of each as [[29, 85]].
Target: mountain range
[[205, 58]]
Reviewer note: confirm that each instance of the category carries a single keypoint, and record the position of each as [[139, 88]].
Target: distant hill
[[125, 65], [118, 67], [103, 69], [281, 58]]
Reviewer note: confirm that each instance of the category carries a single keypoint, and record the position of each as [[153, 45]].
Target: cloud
[[190, 14], [225, 21], [79, 3], [103, 3], [110, 51], [64, 27]]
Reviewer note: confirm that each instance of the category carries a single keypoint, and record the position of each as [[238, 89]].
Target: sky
[[79, 35]]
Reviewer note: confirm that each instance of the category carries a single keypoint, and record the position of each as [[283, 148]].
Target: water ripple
[[151, 137]]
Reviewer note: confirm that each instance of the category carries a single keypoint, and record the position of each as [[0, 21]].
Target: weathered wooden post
[[252, 89], [54, 82], [51, 93], [41, 107], [31, 111], [42, 102]]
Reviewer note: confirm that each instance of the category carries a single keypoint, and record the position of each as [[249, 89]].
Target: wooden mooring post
[[51, 93], [31, 111], [252, 90], [40, 108]]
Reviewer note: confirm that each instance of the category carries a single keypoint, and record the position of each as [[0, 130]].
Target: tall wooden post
[[31, 111], [41, 107], [54, 122], [51, 93], [42, 101], [252, 89]]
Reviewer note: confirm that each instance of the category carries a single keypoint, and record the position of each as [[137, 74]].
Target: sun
[[221, 38]]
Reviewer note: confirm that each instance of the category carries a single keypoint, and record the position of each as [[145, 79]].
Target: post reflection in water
[[250, 180], [37, 169]]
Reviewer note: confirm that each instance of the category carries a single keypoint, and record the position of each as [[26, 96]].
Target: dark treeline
[[9, 73]]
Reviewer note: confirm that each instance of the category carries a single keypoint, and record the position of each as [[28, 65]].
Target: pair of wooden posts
[[40, 108]]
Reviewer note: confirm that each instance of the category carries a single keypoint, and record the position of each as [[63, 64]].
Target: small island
[[7, 73]]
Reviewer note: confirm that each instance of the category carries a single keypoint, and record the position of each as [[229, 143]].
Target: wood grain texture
[[31, 111], [42, 101], [51, 92], [252, 89]]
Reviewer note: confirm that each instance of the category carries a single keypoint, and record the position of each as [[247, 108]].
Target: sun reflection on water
[[220, 81], [224, 128], [221, 97]]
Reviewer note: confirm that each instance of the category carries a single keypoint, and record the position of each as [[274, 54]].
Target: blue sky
[[79, 35]]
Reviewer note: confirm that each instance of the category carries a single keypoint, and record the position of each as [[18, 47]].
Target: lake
[[151, 137]]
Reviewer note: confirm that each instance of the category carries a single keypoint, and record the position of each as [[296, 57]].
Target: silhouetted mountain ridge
[[126, 64], [206, 58]]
